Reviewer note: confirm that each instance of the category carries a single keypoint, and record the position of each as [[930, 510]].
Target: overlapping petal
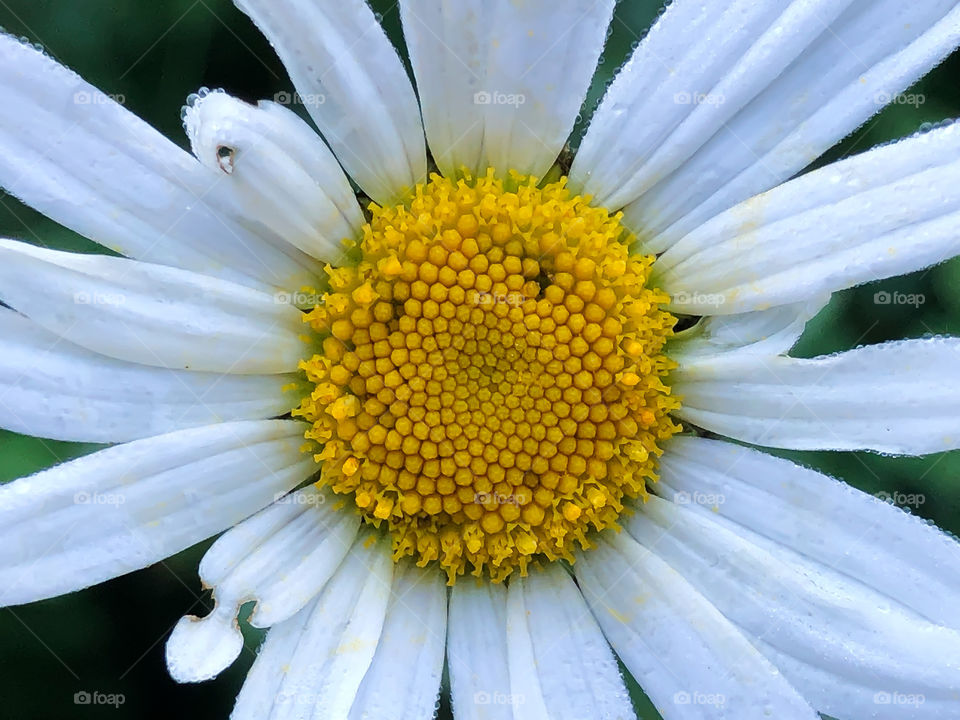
[[280, 558], [886, 212], [726, 100], [895, 553], [561, 666], [501, 82], [838, 634], [279, 170], [51, 388], [77, 156], [758, 333], [129, 506], [352, 83], [312, 665], [150, 314], [692, 662]]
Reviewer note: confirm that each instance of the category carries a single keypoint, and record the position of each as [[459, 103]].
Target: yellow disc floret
[[490, 384]]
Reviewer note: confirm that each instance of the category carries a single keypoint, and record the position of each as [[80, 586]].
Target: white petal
[[860, 61], [688, 658], [261, 697], [354, 86], [293, 584], [403, 682], [51, 388], [77, 156], [151, 314], [288, 565], [558, 656], [897, 397], [125, 507], [477, 652], [501, 82], [837, 696], [808, 611], [886, 212], [201, 648], [885, 548], [759, 333], [522, 661], [279, 169], [281, 558], [697, 67], [311, 665]]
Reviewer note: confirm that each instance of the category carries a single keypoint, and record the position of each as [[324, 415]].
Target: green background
[[110, 639]]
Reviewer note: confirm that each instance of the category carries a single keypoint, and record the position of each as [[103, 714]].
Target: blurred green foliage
[[110, 638]]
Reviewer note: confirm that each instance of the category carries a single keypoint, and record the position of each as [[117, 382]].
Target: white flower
[[745, 587]]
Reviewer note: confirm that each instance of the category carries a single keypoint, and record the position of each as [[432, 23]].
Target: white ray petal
[[281, 559], [77, 156], [559, 658], [697, 67], [889, 211], [835, 625], [896, 397], [51, 388], [403, 682], [311, 665], [129, 506], [477, 657], [501, 82], [279, 169], [354, 86], [758, 333], [691, 661], [885, 548], [152, 314], [861, 62]]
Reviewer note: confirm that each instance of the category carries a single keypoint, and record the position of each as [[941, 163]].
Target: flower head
[[490, 385]]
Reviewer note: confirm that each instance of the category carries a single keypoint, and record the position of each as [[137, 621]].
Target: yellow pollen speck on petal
[[491, 383]]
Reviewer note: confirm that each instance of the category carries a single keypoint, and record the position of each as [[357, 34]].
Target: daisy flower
[[481, 422]]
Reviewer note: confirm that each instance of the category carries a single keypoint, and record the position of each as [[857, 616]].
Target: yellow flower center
[[490, 385]]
